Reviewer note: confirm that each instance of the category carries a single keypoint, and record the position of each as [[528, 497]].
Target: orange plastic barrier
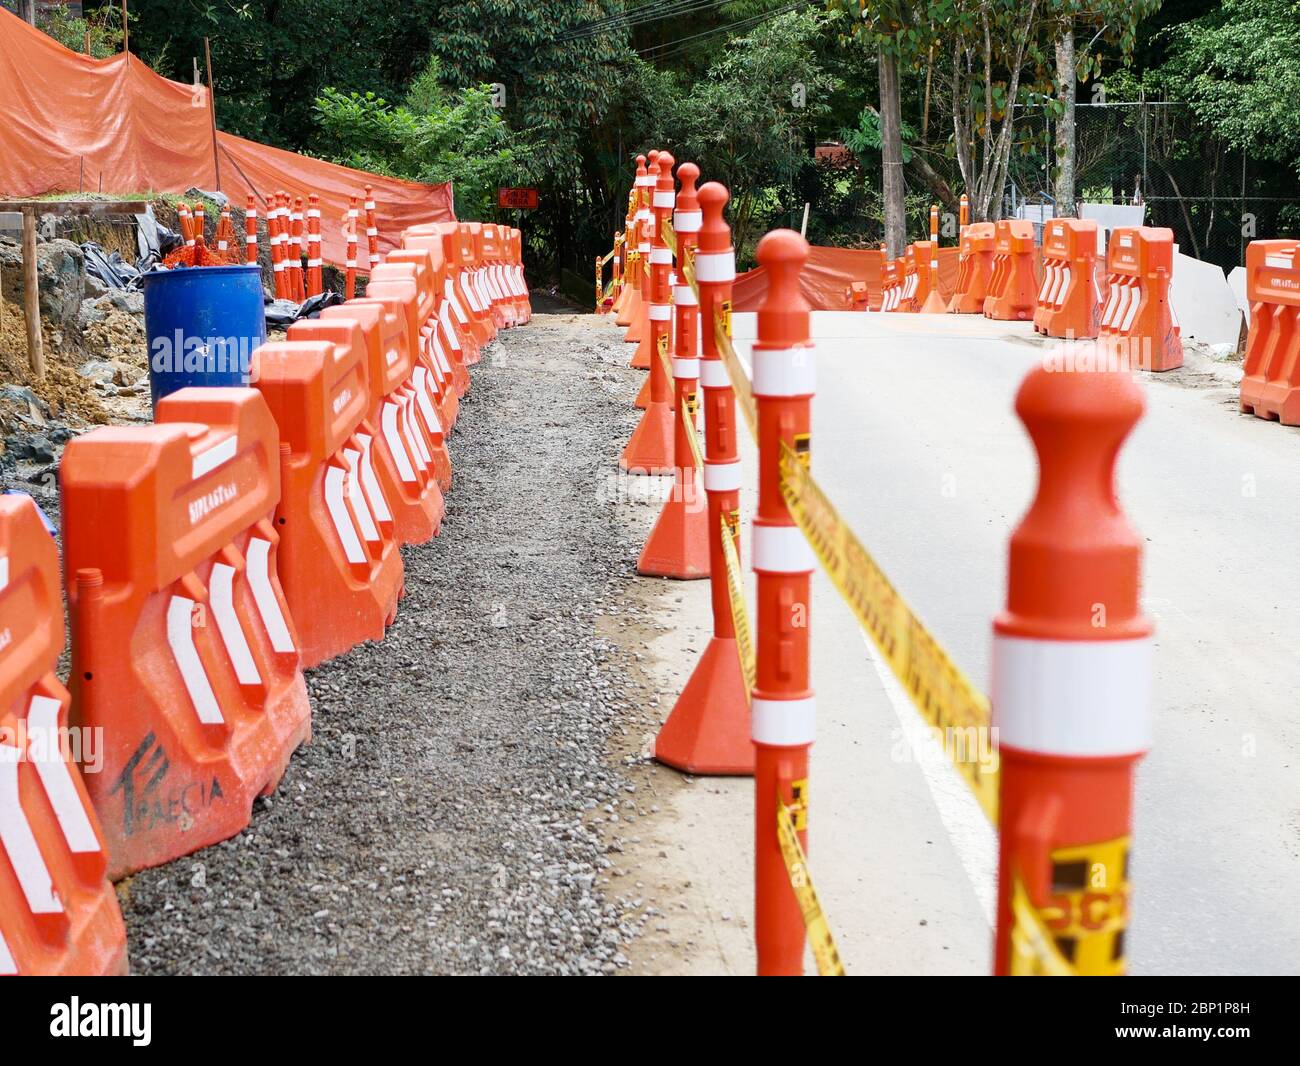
[[425, 416], [1138, 320], [1013, 289], [458, 255], [457, 334], [183, 649], [443, 344], [519, 281], [891, 285], [974, 269], [58, 912], [432, 371], [858, 296], [906, 300], [407, 496], [342, 572], [1069, 301], [1270, 387]]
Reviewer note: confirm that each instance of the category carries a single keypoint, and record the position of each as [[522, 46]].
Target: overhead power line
[[652, 12]]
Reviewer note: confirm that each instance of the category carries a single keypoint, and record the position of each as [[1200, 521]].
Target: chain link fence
[[1215, 198]]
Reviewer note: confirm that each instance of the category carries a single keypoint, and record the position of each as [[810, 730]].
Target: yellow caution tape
[[946, 699], [669, 235], [692, 434], [820, 939], [609, 255], [740, 385], [739, 614]]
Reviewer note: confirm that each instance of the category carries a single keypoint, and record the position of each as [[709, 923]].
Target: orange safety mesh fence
[[73, 122], [829, 275]]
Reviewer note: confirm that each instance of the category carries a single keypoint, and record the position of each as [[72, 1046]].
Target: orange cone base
[[934, 304], [643, 397], [641, 358], [650, 450], [628, 312], [640, 325], [679, 543], [708, 729]]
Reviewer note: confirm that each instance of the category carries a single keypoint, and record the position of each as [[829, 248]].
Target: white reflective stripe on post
[[660, 257], [715, 266], [646, 181], [664, 199], [687, 369], [661, 312], [784, 371], [1073, 698], [221, 594], [20, 842], [713, 374], [684, 296], [783, 723], [722, 477], [268, 606], [782, 550], [644, 215], [688, 221], [334, 493], [56, 778], [180, 637], [643, 249]]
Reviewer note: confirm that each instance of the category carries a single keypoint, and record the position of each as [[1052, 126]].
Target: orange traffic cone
[[679, 543]]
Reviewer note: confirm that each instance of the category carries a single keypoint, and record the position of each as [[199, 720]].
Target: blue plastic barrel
[[202, 325]]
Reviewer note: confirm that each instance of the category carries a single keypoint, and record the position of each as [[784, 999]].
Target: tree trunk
[[27, 11], [1066, 85], [891, 152]]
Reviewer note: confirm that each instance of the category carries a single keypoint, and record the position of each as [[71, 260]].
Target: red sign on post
[[524, 199]]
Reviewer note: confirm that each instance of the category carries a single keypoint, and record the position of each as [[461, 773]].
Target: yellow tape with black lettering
[[669, 236], [740, 385], [947, 700], [1033, 950], [829, 963], [739, 613], [688, 410]]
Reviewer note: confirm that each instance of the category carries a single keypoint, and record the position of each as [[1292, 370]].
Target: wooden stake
[[212, 112], [32, 297]]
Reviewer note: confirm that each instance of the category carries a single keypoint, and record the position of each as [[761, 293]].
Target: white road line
[[968, 829]]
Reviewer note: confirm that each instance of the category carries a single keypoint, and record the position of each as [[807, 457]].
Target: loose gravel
[[457, 809]]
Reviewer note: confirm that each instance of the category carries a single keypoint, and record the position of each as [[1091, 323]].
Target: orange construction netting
[[70, 122], [829, 274]]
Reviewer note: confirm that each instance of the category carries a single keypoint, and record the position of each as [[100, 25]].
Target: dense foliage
[[969, 96]]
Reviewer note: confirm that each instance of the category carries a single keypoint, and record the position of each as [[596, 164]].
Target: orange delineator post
[[58, 912], [707, 731], [1013, 291], [1069, 303], [975, 269], [928, 299], [372, 229], [295, 251], [403, 459], [1137, 323], [350, 228], [678, 545], [184, 651], [1270, 385], [646, 171], [315, 279], [1071, 686], [624, 309], [275, 230], [650, 449], [250, 231], [783, 708], [342, 573]]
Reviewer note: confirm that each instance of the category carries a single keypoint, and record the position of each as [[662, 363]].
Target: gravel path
[[447, 817]]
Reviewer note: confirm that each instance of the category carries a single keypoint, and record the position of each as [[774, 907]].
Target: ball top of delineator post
[[687, 197], [665, 162], [715, 234], [783, 315], [1075, 561], [640, 164]]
